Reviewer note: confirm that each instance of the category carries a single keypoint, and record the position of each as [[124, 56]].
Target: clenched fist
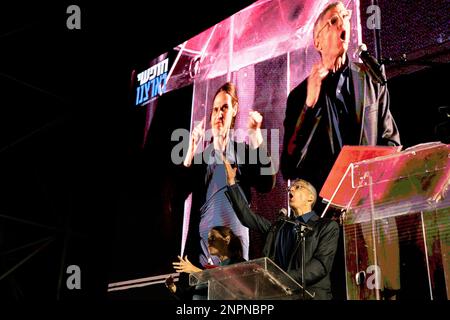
[[314, 82]]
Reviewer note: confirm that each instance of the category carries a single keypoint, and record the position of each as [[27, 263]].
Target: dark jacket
[[375, 123], [320, 244]]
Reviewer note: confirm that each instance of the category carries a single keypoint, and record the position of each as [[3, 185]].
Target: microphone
[[282, 215], [374, 67], [303, 225]]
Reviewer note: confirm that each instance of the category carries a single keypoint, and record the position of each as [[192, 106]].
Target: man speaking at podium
[[284, 242], [340, 103]]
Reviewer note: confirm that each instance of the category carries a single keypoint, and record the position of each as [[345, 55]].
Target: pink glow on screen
[[262, 31], [266, 49]]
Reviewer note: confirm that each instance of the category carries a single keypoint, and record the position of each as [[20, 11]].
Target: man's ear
[[235, 109], [311, 198], [317, 44]]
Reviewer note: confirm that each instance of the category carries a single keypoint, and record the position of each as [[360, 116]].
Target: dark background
[[68, 175], [67, 168]]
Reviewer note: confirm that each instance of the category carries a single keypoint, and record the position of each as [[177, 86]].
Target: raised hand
[[184, 265], [231, 172], [254, 120], [314, 83], [196, 137], [254, 129], [197, 133]]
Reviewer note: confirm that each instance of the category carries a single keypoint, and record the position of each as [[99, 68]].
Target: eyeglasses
[[344, 16], [296, 187]]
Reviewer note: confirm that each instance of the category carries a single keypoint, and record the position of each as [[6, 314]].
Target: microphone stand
[[302, 239], [300, 229]]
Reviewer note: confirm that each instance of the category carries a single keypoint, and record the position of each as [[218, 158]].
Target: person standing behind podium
[[223, 243], [283, 244], [338, 104]]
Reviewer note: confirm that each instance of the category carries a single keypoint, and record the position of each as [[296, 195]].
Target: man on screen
[[338, 104]]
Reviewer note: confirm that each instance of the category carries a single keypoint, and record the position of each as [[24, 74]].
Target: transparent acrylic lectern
[[259, 279], [396, 222]]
